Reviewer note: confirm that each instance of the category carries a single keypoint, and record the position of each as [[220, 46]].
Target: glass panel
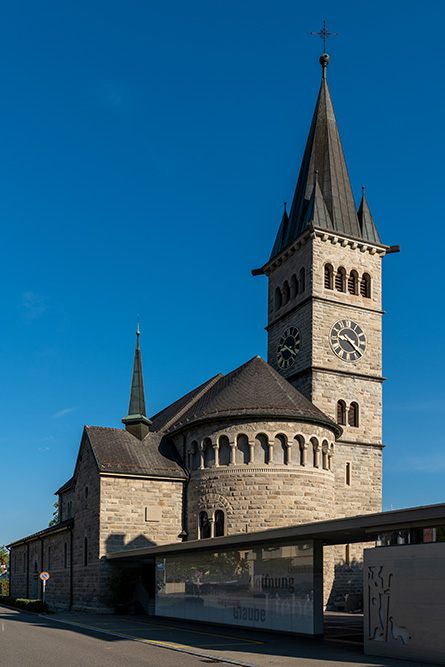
[[269, 588]]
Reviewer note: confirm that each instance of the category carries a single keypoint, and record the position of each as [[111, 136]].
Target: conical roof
[[323, 159], [367, 224], [136, 408], [254, 389]]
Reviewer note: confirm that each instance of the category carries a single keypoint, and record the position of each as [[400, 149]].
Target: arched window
[[204, 526], [340, 280], [329, 276], [315, 453], [224, 451], [195, 456], [301, 280], [324, 451], [286, 293], [341, 413], [242, 449], [219, 523], [278, 299], [353, 414], [261, 448], [365, 285], [353, 282], [209, 453], [280, 448], [85, 551], [86, 492], [293, 287]]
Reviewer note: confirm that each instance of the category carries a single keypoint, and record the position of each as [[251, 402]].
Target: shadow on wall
[[116, 542], [347, 589]]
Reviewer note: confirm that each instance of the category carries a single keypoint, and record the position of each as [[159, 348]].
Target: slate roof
[[254, 389], [118, 451], [324, 160]]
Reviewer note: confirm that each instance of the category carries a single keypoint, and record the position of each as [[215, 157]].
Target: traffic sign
[[198, 575], [44, 576]]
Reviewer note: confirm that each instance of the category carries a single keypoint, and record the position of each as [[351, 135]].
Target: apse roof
[[254, 389]]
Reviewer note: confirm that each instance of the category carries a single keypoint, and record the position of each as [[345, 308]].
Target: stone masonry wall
[[86, 527]]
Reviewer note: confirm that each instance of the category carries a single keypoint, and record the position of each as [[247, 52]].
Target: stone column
[[232, 444], [215, 446], [252, 450], [270, 458], [201, 455], [303, 448], [288, 453], [316, 456]]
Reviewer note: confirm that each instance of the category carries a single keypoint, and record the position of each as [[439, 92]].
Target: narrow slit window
[[348, 474]]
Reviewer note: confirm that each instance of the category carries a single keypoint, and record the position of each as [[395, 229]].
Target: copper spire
[[136, 421]]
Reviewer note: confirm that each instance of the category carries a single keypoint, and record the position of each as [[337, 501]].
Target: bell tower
[[324, 307]]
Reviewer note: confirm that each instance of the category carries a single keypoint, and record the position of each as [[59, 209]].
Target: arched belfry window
[[219, 523], [329, 276], [341, 413], [286, 293], [301, 280], [278, 301], [204, 526], [353, 414], [365, 286], [340, 280], [293, 286], [353, 282]]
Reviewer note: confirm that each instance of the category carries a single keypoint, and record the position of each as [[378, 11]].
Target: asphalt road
[[32, 641]]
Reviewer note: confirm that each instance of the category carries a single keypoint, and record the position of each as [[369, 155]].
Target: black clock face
[[348, 340], [288, 347]]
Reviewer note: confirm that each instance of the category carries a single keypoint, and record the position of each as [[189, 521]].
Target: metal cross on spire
[[324, 34]]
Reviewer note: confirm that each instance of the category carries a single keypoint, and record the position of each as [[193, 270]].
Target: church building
[[291, 440]]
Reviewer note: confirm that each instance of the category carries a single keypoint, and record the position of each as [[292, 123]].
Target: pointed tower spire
[[136, 421], [323, 154], [367, 224], [282, 233]]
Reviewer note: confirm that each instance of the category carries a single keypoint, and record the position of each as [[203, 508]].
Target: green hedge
[[28, 605]]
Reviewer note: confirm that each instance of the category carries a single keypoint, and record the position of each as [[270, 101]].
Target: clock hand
[[285, 347], [350, 341]]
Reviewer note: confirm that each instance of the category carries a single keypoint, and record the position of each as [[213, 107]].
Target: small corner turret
[[136, 422]]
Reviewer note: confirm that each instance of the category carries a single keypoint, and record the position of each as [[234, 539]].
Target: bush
[[37, 606]]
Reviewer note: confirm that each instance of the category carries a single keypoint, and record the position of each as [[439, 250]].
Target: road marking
[[196, 632], [175, 647]]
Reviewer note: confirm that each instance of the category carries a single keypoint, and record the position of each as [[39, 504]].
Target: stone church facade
[[292, 440]]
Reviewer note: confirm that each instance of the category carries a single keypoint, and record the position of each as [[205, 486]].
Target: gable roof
[[118, 451], [254, 389]]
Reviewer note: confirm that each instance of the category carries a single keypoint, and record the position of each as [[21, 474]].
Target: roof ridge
[[207, 385]]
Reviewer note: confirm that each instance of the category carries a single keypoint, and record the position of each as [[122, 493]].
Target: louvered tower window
[[293, 287], [353, 282], [365, 286], [353, 414], [278, 298], [286, 292], [301, 280], [341, 413], [329, 276], [340, 280]]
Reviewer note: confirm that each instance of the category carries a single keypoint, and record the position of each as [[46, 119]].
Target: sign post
[[44, 576]]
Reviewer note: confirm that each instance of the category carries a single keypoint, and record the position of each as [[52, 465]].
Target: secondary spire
[[136, 422]]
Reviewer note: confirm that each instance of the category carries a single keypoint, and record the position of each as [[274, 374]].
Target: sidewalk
[[240, 646]]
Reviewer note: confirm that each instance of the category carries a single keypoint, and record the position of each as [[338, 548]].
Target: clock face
[[288, 347], [348, 340]]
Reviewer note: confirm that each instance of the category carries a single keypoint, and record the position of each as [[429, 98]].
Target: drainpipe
[[10, 571], [41, 568], [27, 570], [71, 570]]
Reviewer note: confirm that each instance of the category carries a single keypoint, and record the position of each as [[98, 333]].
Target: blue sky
[[146, 150]]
